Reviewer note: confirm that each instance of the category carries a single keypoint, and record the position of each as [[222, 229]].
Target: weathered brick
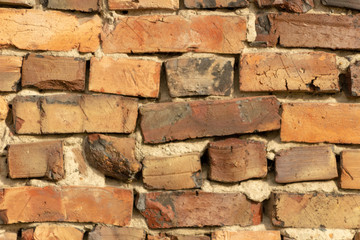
[[216, 3], [33, 29], [163, 122], [315, 210], [305, 164], [74, 114], [50, 231], [66, 204], [320, 122], [311, 71], [197, 209], [27, 234], [165, 236], [144, 4], [113, 156], [133, 77], [349, 169], [308, 30], [234, 160], [4, 109], [298, 6], [10, 73], [354, 4], [190, 76], [357, 236], [53, 73], [353, 82], [114, 233], [171, 173], [40, 159], [246, 235], [23, 3], [175, 33], [79, 5]]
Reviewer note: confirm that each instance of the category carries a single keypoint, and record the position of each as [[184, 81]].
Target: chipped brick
[[349, 169], [298, 6], [216, 3], [10, 73], [78, 5], [115, 233], [144, 4]]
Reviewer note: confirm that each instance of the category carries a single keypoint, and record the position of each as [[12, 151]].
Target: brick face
[[297, 6], [24, 3], [353, 82], [79, 5], [10, 73], [114, 233], [144, 4], [46, 231], [344, 3], [349, 170], [170, 33], [246, 235], [216, 3]]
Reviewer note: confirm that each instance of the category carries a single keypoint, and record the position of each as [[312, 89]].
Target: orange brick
[[79, 5], [10, 73], [350, 169], [26, 115], [144, 4], [175, 33], [52, 232], [246, 235]]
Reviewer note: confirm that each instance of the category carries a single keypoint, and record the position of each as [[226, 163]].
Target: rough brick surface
[[197, 209], [10, 73], [246, 235], [52, 232], [133, 77], [8, 236], [171, 173], [320, 122], [144, 4], [216, 3], [79, 5], [74, 114], [308, 30], [113, 156], [4, 109], [174, 33], [234, 160], [298, 6], [115, 233], [354, 4], [191, 76], [305, 164], [164, 122], [316, 210], [164, 236], [53, 73], [66, 204], [24, 3], [41, 159], [349, 169], [311, 71], [354, 79], [38, 30], [27, 234]]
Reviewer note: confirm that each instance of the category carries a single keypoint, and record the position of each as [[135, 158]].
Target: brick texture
[[165, 236], [79, 5], [144, 4], [246, 235], [344, 3], [298, 6], [114, 233], [24, 3], [174, 33], [216, 3], [46, 231], [10, 73], [349, 169], [353, 82]]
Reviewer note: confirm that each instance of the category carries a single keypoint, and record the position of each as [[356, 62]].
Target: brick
[[40, 159], [19, 30], [234, 160], [315, 210], [246, 235], [50, 231], [113, 156], [353, 82], [53, 73], [305, 164], [298, 6], [133, 77], [163, 122], [196, 76], [308, 30], [320, 122], [10, 73], [175, 33], [78, 5], [66, 204], [114, 233], [197, 209], [8, 236], [165, 236], [74, 114], [172, 173], [22, 3], [4, 109], [349, 169], [216, 3], [344, 3], [145, 4], [305, 72], [357, 236], [27, 234]]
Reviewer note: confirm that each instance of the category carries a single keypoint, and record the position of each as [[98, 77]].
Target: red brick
[[40, 159], [246, 235], [308, 30], [315, 210], [305, 164], [320, 122], [23, 3], [191, 76], [197, 209], [298, 6], [53, 31], [354, 79], [349, 169], [53, 73], [163, 122], [234, 160], [357, 236], [114, 233], [47, 231], [66, 204], [343, 3], [306, 72], [79, 5], [27, 234], [133, 77], [216, 3], [10, 73], [175, 33], [144, 4]]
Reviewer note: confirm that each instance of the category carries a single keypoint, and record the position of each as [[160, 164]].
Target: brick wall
[[179, 119]]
